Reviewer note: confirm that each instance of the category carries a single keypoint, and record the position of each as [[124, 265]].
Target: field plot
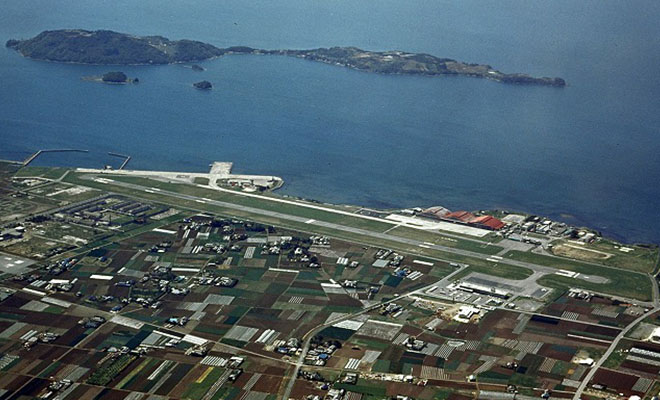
[[502, 347], [171, 291], [583, 306], [64, 194]]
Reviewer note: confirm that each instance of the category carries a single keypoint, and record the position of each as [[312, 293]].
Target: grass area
[[499, 270], [302, 211], [622, 283], [64, 192], [475, 244], [110, 369], [606, 252], [634, 287], [42, 172], [197, 389], [260, 203], [617, 357]]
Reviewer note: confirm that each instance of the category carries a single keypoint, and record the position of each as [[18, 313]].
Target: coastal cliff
[[108, 47]]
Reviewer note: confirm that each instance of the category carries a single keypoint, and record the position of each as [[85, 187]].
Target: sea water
[[587, 153]]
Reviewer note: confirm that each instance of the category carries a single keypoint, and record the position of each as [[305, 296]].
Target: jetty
[[124, 156]]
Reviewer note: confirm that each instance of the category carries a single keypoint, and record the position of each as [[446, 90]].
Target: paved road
[[610, 350], [656, 290], [622, 334], [307, 338]]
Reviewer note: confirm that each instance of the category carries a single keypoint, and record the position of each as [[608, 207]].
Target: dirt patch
[[573, 251]]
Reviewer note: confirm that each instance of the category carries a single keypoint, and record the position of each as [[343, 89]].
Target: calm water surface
[[587, 153]]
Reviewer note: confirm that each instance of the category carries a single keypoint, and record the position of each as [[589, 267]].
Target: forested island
[[204, 85], [112, 77], [108, 47], [112, 48]]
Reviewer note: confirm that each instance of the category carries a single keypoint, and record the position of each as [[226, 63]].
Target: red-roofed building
[[487, 222], [462, 216]]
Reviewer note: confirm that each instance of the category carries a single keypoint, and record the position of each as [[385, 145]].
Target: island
[[108, 47], [196, 67], [399, 62], [117, 77], [112, 77], [111, 48], [204, 85]]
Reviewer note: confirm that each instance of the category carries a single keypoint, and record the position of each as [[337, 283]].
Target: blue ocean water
[[587, 153]]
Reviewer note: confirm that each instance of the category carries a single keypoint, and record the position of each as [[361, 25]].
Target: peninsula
[[108, 47]]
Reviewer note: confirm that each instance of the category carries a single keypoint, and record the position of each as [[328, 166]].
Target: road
[[622, 334], [610, 350], [307, 338]]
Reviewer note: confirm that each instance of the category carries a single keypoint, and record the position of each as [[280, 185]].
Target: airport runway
[[539, 270]]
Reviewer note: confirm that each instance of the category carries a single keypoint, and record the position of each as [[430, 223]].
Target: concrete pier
[[124, 156]]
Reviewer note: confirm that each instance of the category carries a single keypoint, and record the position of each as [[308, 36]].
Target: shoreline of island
[[112, 48]]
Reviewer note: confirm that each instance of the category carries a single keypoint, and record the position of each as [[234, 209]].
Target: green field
[[608, 253], [478, 245], [635, 286], [622, 283], [42, 172], [499, 270], [198, 390]]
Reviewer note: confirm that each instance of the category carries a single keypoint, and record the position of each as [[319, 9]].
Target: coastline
[[116, 65], [607, 234]]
